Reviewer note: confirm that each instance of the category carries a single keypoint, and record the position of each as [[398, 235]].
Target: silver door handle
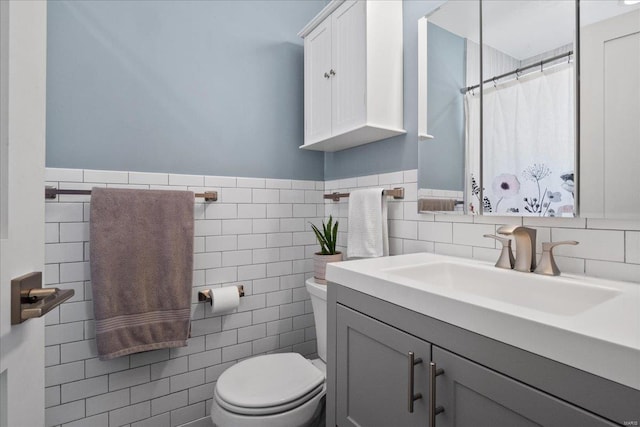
[[413, 396], [433, 409]]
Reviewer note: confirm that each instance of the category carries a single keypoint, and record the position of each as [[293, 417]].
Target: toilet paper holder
[[205, 296]]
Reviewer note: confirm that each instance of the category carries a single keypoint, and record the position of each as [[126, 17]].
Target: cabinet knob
[[326, 75], [332, 72]]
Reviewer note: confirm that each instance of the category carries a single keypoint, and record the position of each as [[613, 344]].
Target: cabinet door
[[317, 83], [609, 72], [349, 78], [372, 373], [475, 396]]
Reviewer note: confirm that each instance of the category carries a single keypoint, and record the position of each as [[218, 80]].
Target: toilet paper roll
[[224, 299]]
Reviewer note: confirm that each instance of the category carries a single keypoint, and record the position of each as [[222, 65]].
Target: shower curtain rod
[[517, 71]]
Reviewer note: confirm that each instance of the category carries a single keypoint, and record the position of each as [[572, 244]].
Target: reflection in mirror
[[444, 69], [609, 110], [528, 108]]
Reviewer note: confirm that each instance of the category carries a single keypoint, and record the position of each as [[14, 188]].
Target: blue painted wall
[[401, 152], [441, 159], [202, 87]]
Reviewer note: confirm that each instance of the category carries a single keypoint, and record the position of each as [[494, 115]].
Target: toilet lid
[[273, 380]]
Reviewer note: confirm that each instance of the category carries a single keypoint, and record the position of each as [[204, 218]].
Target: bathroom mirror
[[445, 36], [531, 165], [528, 108]]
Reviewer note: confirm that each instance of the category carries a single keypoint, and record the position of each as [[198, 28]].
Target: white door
[[22, 142], [609, 125], [317, 81], [349, 77]]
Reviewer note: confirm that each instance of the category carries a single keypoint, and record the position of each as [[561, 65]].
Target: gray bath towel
[[141, 269]]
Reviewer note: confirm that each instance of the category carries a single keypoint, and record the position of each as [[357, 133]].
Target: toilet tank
[[318, 294]]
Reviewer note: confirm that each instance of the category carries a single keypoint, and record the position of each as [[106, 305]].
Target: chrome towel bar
[[396, 193], [52, 193]]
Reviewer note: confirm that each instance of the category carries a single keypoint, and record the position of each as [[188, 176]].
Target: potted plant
[[327, 238]]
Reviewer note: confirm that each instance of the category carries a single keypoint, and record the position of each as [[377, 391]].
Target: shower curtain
[[528, 147]]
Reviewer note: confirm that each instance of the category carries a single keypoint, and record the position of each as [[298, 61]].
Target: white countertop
[[603, 339]]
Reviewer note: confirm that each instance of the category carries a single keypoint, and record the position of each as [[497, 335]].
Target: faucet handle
[[548, 246], [507, 230], [506, 259], [547, 263], [503, 240]]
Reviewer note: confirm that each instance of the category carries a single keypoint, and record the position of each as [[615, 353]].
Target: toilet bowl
[[275, 390]]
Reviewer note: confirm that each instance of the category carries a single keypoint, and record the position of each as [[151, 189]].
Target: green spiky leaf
[[334, 240], [328, 237]]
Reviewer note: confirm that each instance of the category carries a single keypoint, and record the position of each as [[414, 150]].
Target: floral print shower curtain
[[528, 146]]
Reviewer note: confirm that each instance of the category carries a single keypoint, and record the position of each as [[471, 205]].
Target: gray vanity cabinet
[[373, 374], [484, 383], [474, 396]]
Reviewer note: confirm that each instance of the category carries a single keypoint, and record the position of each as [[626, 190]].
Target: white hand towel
[[368, 234]]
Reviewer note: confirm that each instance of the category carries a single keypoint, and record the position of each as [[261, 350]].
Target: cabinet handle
[[433, 409], [326, 75], [413, 397], [332, 72]]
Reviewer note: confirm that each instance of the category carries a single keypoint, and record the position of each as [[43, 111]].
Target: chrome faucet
[[548, 264], [525, 246]]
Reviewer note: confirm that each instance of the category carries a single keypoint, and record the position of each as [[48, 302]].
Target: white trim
[[324, 13], [358, 136], [422, 80], [4, 118]]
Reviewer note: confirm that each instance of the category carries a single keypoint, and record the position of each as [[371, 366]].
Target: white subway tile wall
[[257, 234], [608, 249]]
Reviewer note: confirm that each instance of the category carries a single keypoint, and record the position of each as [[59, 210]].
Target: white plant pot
[[320, 265]]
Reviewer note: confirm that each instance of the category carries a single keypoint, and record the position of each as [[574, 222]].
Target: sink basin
[[556, 295], [576, 320]]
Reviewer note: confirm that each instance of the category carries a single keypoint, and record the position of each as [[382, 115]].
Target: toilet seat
[[269, 384], [271, 410]]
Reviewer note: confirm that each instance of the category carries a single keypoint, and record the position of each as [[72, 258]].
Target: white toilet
[[276, 390]]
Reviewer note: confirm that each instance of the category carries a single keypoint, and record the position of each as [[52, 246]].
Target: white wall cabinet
[[353, 74]]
